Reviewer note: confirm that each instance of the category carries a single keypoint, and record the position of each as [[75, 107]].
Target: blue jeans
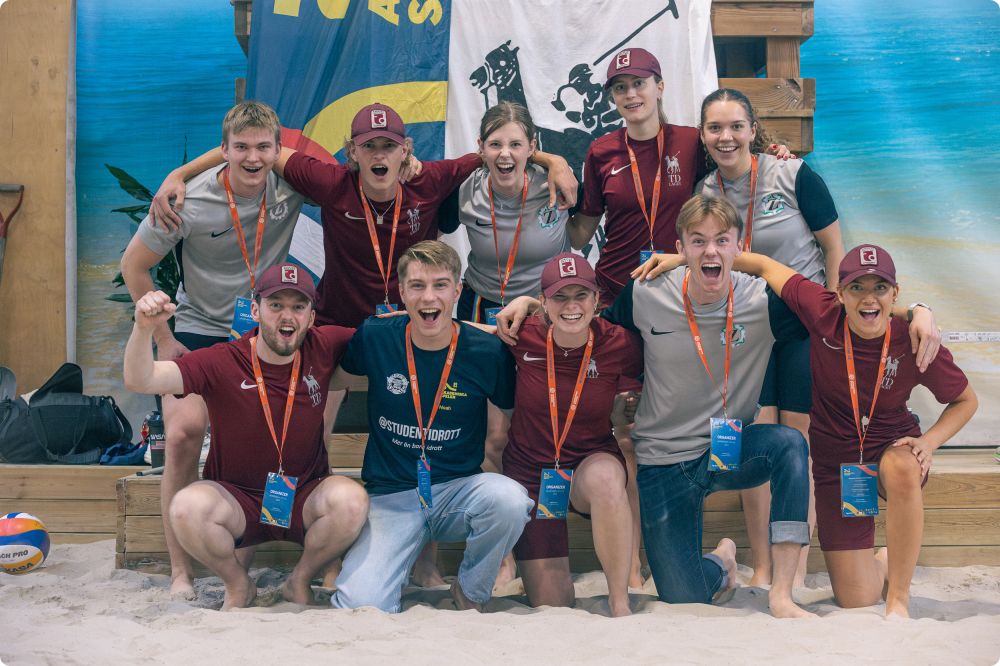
[[487, 511], [671, 499]]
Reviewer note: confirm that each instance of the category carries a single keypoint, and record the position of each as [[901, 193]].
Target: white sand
[[79, 610]]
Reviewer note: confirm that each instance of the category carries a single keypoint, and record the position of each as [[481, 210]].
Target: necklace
[[566, 351], [380, 215]]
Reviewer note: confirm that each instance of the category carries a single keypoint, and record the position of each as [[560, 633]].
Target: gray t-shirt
[[679, 398], [213, 273], [543, 234], [792, 204]]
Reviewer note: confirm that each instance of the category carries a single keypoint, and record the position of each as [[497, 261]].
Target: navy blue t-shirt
[[483, 370]]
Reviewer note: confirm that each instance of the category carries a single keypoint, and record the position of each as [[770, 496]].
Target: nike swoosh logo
[[216, 234], [619, 169], [835, 348], [351, 217], [483, 224], [656, 332], [529, 357], [244, 385]]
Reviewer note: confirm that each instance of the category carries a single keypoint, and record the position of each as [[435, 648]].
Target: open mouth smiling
[[380, 170], [711, 270], [429, 314]]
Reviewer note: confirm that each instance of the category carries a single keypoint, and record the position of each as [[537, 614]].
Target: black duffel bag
[[60, 424]]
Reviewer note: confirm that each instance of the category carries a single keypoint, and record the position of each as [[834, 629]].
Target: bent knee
[[508, 498], [604, 478], [195, 503], [342, 497], [900, 470]]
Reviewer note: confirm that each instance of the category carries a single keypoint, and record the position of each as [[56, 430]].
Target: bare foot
[[297, 591], [240, 594], [425, 573], [331, 573], [782, 606], [181, 588], [761, 577], [897, 607], [507, 573], [462, 601], [619, 607], [726, 551]]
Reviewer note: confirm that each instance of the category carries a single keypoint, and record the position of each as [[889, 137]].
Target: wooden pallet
[[753, 38], [77, 503], [962, 516]]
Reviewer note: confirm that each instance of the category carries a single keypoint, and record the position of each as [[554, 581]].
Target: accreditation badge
[[491, 315], [645, 255], [242, 319], [553, 494], [424, 483], [279, 497], [727, 445], [386, 308], [858, 490]]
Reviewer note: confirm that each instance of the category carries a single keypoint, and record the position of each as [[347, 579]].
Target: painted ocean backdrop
[[907, 107]]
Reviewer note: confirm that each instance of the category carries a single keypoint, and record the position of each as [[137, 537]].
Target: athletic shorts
[[195, 341], [472, 307], [545, 538], [787, 382], [256, 532], [835, 531]]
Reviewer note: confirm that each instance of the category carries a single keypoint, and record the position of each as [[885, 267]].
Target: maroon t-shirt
[[242, 450], [617, 353], [608, 188], [352, 284], [832, 430]]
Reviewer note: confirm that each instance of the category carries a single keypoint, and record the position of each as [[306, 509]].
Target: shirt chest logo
[[279, 212], [891, 368], [547, 216], [772, 204], [315, 391], [739, 335], [674, 178], [413, 219], [396, 384]]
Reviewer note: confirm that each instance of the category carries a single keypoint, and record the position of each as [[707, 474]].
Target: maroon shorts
[[545, 538], [256, 532], [835, 531]]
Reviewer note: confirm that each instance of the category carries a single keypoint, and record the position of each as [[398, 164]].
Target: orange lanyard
[[415, 389], [748, 225], [852, 381], [238, 228], [386, 271], [289, 403], [640, 195], [574, 402], [693, 325], [505, 276]]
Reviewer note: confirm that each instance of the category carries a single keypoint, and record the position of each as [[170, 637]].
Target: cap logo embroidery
[[869, 256], [290, 274], [623, 59], [567, 267], [379, 119]]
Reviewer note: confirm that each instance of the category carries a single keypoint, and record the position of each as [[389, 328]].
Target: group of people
[[490, 427]]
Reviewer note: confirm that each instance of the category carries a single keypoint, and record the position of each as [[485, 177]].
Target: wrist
[[914, 306]]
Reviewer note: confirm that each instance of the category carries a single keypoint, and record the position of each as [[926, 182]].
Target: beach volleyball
[[24, 543]]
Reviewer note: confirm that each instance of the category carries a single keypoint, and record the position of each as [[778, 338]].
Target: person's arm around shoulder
[[925, 336], [952, 419], [509, 319], [141, 373], [137, 260], [342, 379], [832, 243], [773, 272], [562, 182], [656, 265], [581, 228]]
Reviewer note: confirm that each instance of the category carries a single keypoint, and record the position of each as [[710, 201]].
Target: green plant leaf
[[130, 184], [119, 298]]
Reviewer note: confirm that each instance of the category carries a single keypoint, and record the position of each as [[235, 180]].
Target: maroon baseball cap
[[287, 276], [377, 120], [867, 260], [565, 269], [637, 62]]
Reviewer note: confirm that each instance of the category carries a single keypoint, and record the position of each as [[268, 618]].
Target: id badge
[[383, 308], [858, 490], [553, 494], [727, 440], [644, 255], [424, 483], [491, 315], [279, 496], [242, 319]]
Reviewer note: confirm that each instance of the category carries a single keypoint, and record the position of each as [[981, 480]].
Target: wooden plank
[[344, 450], [753, 19], [783, 57], [777, 97], [242, 15], [61, 481], [79, 537], [86, 516]]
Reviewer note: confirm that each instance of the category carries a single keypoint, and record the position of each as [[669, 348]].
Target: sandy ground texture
[[78, 609]]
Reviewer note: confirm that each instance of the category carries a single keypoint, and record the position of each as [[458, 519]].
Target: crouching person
[[267, 475], [429, 381]]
